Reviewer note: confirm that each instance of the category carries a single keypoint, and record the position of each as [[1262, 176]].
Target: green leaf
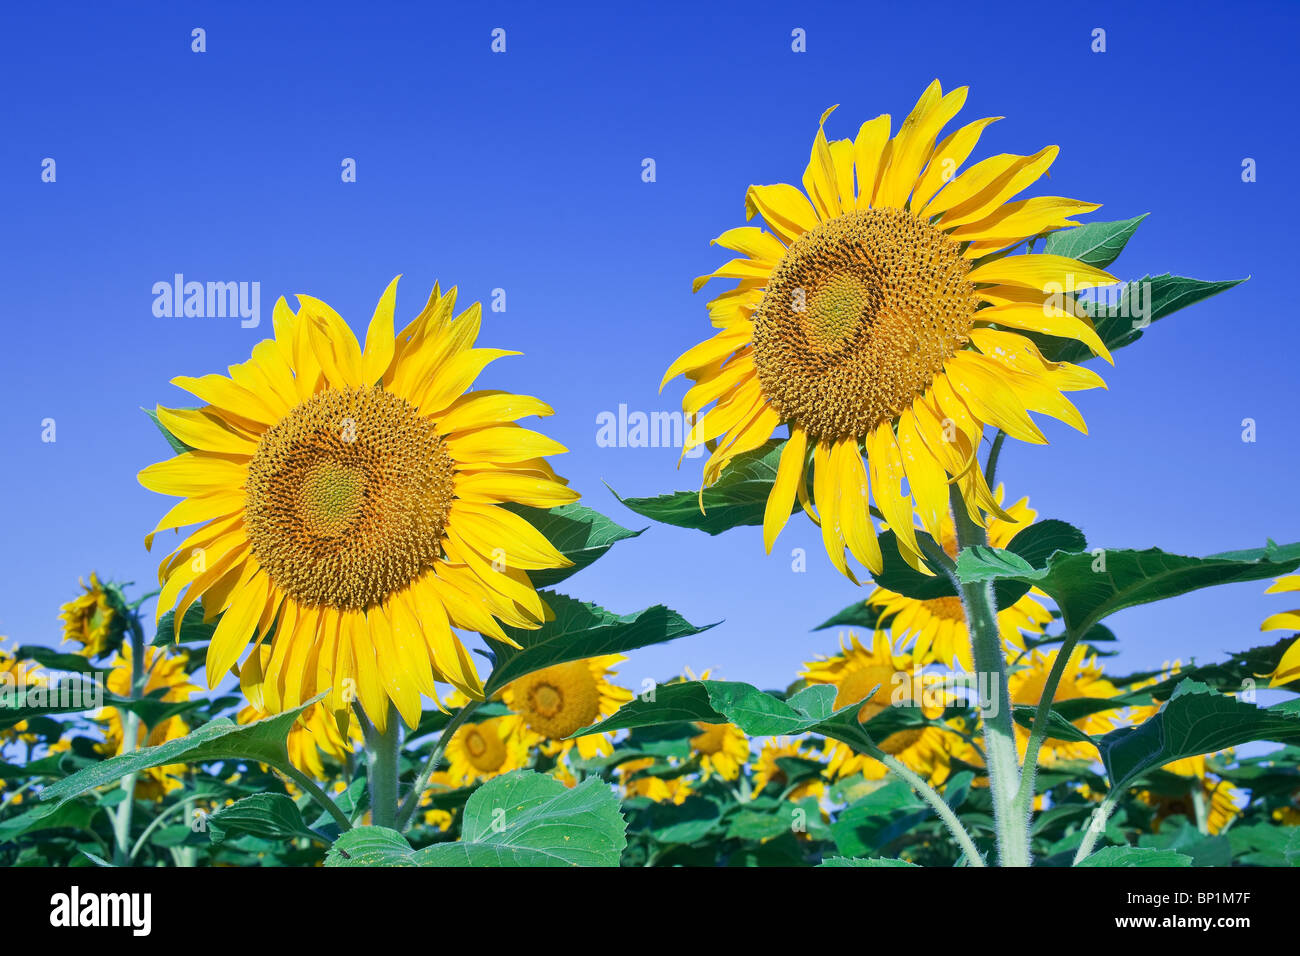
[[581, 630], [79, 695], [54, 660], [193, 628], [754, 825], [858, 614], [579, 533], [1120, 325], [1057, 726], [522, 818], [77, 814], [1090, 585], [1135, 856], [688, 822], [178, 446], [865, 861], [670, 703], [738, 498], [222, 739], [1094, 243], [1194, 721], [272, 815]]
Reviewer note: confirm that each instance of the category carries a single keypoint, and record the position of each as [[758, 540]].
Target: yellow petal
[[789, 475], [380, 337]]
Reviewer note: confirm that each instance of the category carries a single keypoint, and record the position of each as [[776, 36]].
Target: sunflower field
[[359, 649]]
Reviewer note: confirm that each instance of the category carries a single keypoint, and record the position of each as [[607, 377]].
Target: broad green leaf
[[688, 822], [752, 825], [842, 861], [1139, 304], [1194, 721], [579, 533], [522, 818], [263, 814], [1241, 670], [1094, 243], [1088, 586], [1135, 856], [52, 659], [859, 614], [262, 741], [670, 704], [77, 814], [738, 498], [81, 695], [581, 630]]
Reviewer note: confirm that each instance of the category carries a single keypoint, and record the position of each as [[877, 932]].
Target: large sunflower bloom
[[878, 317], [857, 672], [484, 750], [352, 502], [554, 702], [165, 680], [1288, 668], [938, 625]]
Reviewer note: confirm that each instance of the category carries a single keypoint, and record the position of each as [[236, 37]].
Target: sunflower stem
[[383, 747], [991, 463], [999, 729], [926, 793], [412, 802], [1096, 826], [1038, 733], [130, 732]]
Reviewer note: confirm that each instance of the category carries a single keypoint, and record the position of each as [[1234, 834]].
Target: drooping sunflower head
[[350, 503], [165, 679], [93, 620], [556, 701], [936, 627], [1082, 677], [1288, 668], [881, 315]]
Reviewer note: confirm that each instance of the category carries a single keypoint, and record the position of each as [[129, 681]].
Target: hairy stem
[[122, 852], [999, 728], [1025, 795], [382, 751]]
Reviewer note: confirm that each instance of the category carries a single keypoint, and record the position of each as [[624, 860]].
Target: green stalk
[[122, 852], [382, 751], [999, 728], [1096, 825], [1028, 777], [412, 802], [926, 793]]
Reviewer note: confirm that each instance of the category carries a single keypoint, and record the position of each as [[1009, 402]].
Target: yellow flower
[[1288, 668], [556, 701], [1221, 802], [17, 674], [879, 318], [767, 770], [432, 816], [855, 672], [315, 732], [91, 620], [659, 789], [352, 507], [721, 748], [1081, 678], [484, 750], [165, 680], [938, 625]]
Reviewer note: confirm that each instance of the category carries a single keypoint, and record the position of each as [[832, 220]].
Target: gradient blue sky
[[522, 171]]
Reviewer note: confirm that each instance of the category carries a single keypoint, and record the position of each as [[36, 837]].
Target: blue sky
[[522, 171]]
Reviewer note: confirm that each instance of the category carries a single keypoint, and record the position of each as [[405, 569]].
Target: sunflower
[[165, 680], [92, 620], [1081, 678], [316, 732], [1288, 668], [1221, 801], [884, 319], [767, 768], [673, 790], [484, 750], [432, 816], [938, 625], [855, 672], [554, 702], [720, 748], [14, 675], [352, 507]]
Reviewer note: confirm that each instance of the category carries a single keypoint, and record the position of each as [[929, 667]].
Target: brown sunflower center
[[347, 497], [558, 700], [946, 608], [857, 318]]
